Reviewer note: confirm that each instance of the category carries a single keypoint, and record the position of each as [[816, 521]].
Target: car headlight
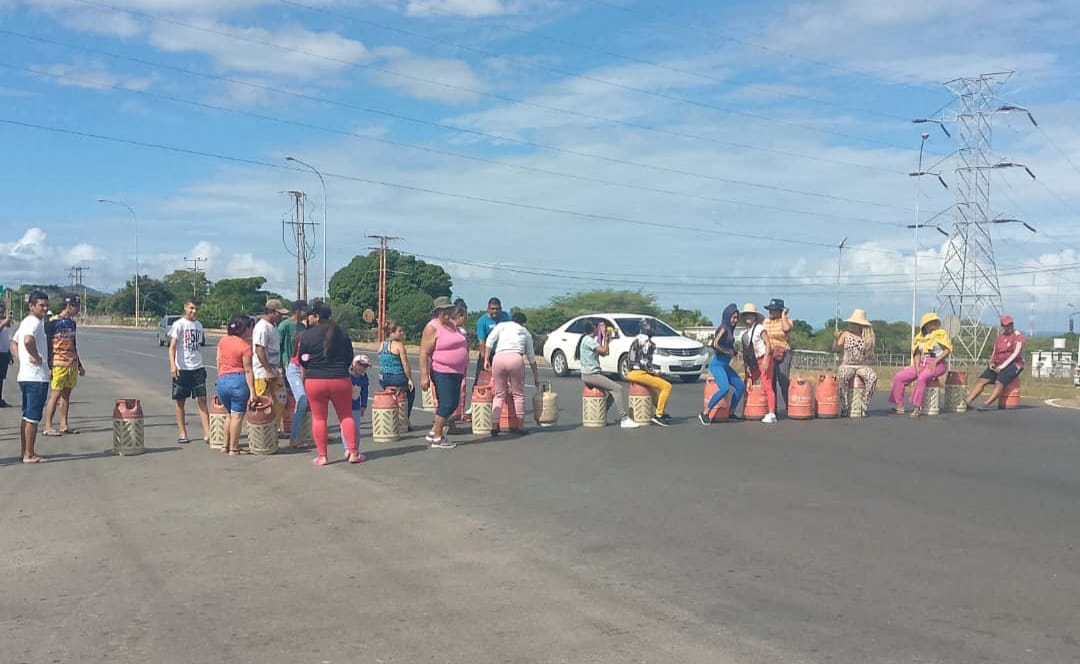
[[663, 351]]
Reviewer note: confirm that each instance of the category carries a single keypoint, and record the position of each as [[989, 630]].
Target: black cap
[[72, 299], [775, 304]]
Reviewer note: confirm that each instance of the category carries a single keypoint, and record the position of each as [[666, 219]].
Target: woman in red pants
[[325, 356]]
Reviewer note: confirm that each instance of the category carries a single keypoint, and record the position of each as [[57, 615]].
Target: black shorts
[[190, 384], [1005, 376]]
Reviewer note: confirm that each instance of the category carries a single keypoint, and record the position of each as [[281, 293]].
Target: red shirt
[[1004, 346], [231, 353]]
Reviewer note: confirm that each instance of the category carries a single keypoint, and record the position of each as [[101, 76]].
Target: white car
[[675, 354]]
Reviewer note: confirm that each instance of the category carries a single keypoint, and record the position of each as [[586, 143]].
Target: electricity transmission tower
[[294, 235], [969, 288]]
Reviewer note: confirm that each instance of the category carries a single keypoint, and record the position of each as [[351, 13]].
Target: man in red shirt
[[1005, 364]]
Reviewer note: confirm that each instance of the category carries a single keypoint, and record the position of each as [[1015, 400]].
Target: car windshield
[[631, 327], [169, 320]]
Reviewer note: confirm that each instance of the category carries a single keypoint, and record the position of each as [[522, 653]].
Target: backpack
[[748, 355]]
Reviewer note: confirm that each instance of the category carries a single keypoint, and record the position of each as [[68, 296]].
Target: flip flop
[[51, 433], [183, 439], [69, 431], [36, 459]]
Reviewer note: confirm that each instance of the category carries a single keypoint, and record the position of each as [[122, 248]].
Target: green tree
[[600, 301], [157, 299], [229, 297], [410, 287], [183, 285], [683, 318]]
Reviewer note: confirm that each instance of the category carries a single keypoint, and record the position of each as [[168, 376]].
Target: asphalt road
[[948, 539]]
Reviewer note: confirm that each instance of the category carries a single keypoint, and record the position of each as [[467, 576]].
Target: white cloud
[[115, 24], [467, 8], [93, 74], [454, 73], [313, 54]]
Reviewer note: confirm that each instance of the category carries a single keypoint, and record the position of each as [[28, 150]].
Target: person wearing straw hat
[[1005, 364], [779, 327], [857, 343], [929, 360], [757, 356]]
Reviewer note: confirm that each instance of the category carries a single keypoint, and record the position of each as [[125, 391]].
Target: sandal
[[35, 459], [69, 431], [319, 461], [51, 433], [182, 440]]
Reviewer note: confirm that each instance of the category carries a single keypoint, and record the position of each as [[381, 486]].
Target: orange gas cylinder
[[384, 415], [827, 396], [128, 427], [1010, 398], [482, 396], [262, 429], [956, 378], [800, 400], [757, 403], [218, 408], [509, 418], [641, 403], [594, 405], [721, 410]]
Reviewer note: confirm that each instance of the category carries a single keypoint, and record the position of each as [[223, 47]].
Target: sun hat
[[362, 359], [859, 318], [442, 303], [927, 319], [775, 304], [1007, 320], [749, 308], [276, 305]]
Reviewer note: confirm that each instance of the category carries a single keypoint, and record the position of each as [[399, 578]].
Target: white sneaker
[[627, 423], [769, 419]]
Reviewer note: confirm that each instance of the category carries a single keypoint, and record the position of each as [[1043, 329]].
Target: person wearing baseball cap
[[358, 376], [266, 362], [1005, 364]]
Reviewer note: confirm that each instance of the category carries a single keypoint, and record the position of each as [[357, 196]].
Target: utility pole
[[969, 287], [76, 276], [384, 243], [296, 241], [194, 272]]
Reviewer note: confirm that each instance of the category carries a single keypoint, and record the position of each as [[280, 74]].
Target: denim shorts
[[448, 392], [233, 392], [34, 395]]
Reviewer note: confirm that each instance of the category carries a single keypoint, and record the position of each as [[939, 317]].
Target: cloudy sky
[[706, 152]]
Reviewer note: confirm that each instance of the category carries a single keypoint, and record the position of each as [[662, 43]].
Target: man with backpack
[[757, 356]]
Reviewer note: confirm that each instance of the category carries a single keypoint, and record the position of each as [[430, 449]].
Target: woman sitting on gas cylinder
[[929, 355], [857, 343]]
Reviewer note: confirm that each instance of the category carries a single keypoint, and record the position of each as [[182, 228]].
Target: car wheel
[[160, 342], [559, 365], [690, 379], [624, 366]]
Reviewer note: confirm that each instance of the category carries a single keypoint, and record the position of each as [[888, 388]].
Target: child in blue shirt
[[358, 374]]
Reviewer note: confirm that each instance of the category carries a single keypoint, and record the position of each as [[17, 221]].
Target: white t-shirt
[[189, 338], [265, 335], [757, 330], [509, 337], [32, 326], [6, 337]]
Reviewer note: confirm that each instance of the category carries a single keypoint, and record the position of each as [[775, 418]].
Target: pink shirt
[[451, 353], [1005, 346]]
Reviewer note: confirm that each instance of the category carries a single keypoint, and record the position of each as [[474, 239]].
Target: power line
[[398, 116], [468, 197], [439, 151], [482, 93], [441, 42], [713, 34]]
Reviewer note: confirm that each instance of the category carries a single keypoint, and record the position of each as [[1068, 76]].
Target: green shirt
[[288, 330]]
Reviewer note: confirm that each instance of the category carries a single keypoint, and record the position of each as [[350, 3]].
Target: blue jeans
[[34, 395], [356, 420], [448, 391], [296, 384], [400, 381], [233, 392], [725, 378]]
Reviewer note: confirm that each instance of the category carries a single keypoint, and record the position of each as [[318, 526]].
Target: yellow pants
[[274, 389], [653, 383]]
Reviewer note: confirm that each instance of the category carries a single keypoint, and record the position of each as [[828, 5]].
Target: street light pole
[[839, 264], [314, 170], [915, 281], [135, 218]]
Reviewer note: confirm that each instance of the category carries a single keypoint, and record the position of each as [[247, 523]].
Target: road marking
[[1053, 402]]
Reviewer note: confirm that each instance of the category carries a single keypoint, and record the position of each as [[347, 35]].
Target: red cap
[[1006, 320]]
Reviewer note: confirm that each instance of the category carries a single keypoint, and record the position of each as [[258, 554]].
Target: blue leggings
[[725, 378]]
